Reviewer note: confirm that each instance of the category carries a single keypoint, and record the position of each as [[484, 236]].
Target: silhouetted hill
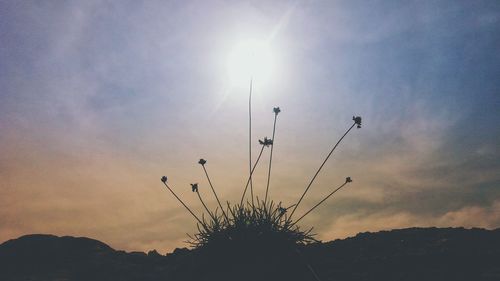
[[48, 257], [405, 254], [412, 254]]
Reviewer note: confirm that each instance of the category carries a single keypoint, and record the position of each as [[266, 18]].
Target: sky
[[99, 99]]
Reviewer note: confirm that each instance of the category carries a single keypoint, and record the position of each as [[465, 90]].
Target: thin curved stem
[[320, 202], [215, 193], [270, 160], [187, 208], [203, 203], [250, 138], [250, 177], [320, 167]]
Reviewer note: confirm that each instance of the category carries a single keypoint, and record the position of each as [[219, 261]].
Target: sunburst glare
[[250, 59]]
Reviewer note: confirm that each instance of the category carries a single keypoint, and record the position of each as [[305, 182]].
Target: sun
[[250, 59]]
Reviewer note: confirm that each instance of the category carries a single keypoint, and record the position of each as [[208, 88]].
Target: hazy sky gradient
[[99, 99]]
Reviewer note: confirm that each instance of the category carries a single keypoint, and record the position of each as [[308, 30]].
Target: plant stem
[[250, 177], [215, 193], [187, 208], [203, 203], [320, 167], [250, 139], [270, 160], [320, 202]]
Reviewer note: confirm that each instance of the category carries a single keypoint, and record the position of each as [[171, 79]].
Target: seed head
[[357, 121], [202, 161], [164, 179], [282, 211], [276, 110], [266, 142], [348, 179], [194, 187]]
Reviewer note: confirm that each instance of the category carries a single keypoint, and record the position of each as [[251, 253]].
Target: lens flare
[[250, 59]]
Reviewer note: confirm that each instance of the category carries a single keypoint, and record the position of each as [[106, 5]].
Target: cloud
[[473, 216], [469, 216]]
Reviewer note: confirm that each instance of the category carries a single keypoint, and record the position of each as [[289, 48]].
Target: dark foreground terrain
[[405, 254]]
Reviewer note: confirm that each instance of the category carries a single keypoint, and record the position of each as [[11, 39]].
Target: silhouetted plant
[[244, 219], [256, 226]]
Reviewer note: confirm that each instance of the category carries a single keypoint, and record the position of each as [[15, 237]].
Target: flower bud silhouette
[[266, 142], [357, 121]]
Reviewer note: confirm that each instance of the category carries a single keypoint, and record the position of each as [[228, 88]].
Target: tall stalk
[[250, 139], [202, 162], [276, 110], [164, 180], [347, 180], [264, 143], [356, 122]]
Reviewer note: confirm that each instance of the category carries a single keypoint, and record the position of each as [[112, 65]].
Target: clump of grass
[[249, 225], [258, 242]]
